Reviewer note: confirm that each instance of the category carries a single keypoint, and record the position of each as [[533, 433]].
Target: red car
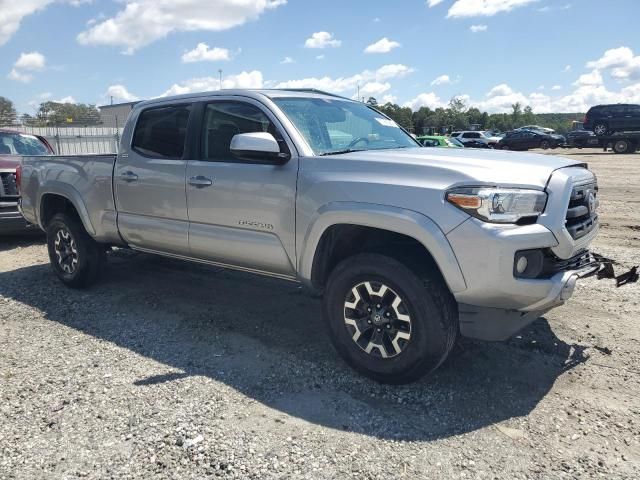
[[12, 146]]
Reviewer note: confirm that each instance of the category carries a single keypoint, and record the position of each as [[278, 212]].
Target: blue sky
[[555, 55]]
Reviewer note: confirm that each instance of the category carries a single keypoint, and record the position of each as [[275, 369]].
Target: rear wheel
[[600, 129], [544, 144], [76, 258], [386, 322], [623, 146]]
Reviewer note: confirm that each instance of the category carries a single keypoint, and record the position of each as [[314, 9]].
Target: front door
[[149, 182], [241, 212]]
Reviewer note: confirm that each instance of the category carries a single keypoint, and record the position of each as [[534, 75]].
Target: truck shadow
[[265, 339]]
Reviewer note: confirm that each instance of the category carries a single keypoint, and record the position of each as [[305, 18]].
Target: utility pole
[[220, 73], [358, 91], [111, 99]]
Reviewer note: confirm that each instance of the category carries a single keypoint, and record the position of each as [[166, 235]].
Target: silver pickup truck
[[410, 246]]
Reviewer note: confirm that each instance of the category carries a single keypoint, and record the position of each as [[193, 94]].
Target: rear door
[[241, 212], [632, 117], [149, 181]]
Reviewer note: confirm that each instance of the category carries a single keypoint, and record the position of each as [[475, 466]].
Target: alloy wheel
[[66, 251], [377, 319]]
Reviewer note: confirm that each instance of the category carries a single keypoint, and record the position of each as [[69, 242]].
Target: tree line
[[458, 116], [50, 114]]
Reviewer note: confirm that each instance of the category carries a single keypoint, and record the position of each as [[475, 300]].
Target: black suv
[[607, 119]]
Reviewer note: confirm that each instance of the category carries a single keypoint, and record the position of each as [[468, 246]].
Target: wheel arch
[[350, 227], [63, 199]]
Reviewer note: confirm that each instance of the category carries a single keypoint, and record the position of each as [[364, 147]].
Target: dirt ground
[[172, 370]]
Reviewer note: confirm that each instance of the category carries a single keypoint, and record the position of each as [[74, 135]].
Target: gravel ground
[[171, 370]]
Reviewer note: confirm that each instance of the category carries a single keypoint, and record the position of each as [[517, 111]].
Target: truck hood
[[9, 162], [450, 166]]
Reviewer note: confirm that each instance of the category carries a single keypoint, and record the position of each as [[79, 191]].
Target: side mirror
[[258, 146]]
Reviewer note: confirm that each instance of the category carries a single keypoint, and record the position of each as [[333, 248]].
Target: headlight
[[499, 205]]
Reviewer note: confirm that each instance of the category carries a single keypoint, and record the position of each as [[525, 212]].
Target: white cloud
[[389, 99], [384, 45], [501, 90], [120, 92], [320, 57], [621, 62], [430, 100], [372, 89], [251, 79], [484, 8], [142, 22], [350, 84], [12, 13], [26, 64], [556, 87], [433, 3], [204, 53], [441, 80], [322, 40], [19, 77], [593, 78], [33, 62], [567, 68], [478, 28], [287, 60], [68, 99]]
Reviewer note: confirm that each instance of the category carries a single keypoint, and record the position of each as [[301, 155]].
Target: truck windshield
[[21, 144], [334, 126]]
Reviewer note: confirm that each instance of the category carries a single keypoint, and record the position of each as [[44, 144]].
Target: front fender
[[394, 219]]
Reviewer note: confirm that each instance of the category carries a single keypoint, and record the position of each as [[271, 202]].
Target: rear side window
[[161, 132]]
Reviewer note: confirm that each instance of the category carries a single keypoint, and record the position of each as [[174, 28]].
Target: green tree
[[7, 112], [372, 101], [54, 113], [401, 115]]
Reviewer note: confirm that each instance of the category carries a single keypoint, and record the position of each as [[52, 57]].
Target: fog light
[[528, 263], [521, 265]]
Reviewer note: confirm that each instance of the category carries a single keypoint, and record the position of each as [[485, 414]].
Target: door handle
[[129, 177], [200, 181]]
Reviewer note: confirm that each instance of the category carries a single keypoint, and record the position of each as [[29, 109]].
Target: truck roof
[[251, 93]]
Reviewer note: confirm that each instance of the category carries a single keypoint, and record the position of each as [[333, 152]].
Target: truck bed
[[87, 180]]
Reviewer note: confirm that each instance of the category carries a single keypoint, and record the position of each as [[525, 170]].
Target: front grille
[[8, 187], [581, 215]]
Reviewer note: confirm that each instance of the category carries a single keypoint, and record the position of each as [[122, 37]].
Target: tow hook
[[605, 270]]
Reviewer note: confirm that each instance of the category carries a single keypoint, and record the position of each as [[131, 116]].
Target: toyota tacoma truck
[[409, 246]]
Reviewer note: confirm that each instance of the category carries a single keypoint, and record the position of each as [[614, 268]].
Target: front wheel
[[386, 322], [545, 145], [76, 258]]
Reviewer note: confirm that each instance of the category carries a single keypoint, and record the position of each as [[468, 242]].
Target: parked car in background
[[439, 141], [474, 139], [13, 145], [607, 119], [581, 138], [526, 139], [410, 247], [537, 128]]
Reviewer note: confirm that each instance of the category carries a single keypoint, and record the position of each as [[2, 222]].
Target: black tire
[[505, 147], [623, 146], [601, 129], [431, 308], [87, 256], [545, 144]]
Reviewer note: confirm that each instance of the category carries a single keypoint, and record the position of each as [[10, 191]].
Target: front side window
[[332, 126], [161, 132], [223, 120], [21, 144]]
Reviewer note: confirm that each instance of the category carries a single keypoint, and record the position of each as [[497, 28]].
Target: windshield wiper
[[338, 152]]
